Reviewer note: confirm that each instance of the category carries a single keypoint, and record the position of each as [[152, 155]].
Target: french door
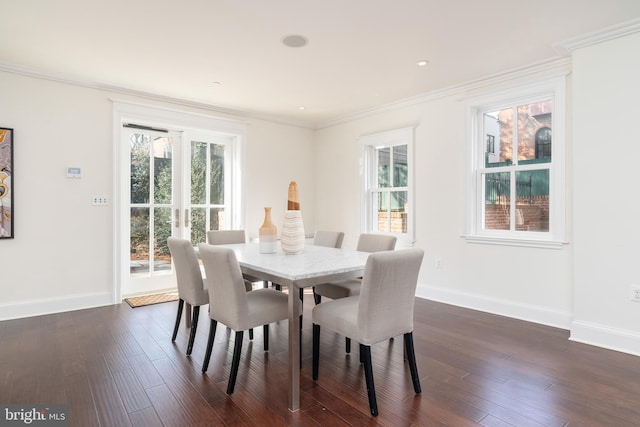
[[180, 184]]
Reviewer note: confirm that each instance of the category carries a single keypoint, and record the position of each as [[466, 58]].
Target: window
[[388, 183], [516, 183], [491, 144]]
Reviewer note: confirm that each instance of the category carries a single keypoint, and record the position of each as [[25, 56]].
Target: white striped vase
[[292, 234]]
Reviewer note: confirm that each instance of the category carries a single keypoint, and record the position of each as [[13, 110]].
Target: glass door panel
[[153, 198], [178, 186], [207, 165]]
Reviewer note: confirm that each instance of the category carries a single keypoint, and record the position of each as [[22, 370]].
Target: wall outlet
[[438, 263], [100, 200], [635, 293]]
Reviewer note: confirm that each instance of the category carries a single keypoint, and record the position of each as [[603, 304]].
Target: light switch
[[100, 200]]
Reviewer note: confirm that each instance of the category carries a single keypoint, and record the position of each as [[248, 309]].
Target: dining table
[[314, 265]]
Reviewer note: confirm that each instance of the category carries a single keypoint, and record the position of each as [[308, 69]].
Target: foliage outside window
[[153, 199], [517, 149], [388, 183], [207, 189]]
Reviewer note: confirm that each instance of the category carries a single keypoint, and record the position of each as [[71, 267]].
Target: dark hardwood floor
[[116, 366]]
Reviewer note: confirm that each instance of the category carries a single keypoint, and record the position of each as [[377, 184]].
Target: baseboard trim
[[38, 307], [529, 313], [598, 335], [604, 336]]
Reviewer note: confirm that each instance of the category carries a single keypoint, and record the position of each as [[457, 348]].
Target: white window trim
[[554, 88], [403, 136]]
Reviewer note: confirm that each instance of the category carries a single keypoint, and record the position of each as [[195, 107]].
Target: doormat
[[152, 299]]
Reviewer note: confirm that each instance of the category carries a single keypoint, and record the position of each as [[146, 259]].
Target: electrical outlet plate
[[100, 200], [635, 293]]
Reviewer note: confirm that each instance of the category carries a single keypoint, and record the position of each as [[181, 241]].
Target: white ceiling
[[361, 54]]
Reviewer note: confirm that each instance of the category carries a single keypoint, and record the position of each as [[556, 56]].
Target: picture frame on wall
[[6, 183]]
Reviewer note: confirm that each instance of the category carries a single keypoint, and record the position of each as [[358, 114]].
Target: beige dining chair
[[383, 310], [331, 239], [191, 286], [231, 306], [228, 237], [346, 288]]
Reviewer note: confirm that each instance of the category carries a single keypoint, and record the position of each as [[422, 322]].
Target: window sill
[[487, 240]]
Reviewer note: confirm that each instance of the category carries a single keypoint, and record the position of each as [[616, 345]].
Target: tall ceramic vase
[[267, 234], [292, 234]]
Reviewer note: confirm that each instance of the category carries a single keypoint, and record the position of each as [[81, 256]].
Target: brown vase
[[267, 234]]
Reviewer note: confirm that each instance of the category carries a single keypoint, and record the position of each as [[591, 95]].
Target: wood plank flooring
[[116, 366]]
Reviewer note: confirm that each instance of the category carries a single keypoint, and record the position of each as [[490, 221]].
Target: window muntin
[[517, 199], [209, 175], [388, 176], [516, 185], [527, 207]]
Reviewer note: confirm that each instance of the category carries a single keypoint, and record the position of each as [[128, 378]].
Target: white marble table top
[[315, 262]]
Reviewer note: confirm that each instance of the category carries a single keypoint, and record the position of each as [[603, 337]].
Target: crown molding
[[60, 78], [554, 65], [563, 48], [567, 47]]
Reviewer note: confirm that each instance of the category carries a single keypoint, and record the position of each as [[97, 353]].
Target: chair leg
[[265, 283], [237, 349], [316, 350], [265, 333], [207, 354], [278, 287], [250, 334], [177, 325], [316, 298], [365, 351], [347, 345], [194, 326], [411, 356]]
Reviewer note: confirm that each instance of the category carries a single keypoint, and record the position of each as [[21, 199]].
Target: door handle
[[177, 218], [186, 217]]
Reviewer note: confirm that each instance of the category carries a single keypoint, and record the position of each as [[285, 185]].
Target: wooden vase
[[267, 234]]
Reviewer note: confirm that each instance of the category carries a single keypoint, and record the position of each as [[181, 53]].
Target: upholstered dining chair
[[228, 237], [331, 239], [383, 310], [191, 286], [231, 306], [351, 287]]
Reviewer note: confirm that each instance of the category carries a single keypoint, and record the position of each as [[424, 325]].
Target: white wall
[[527, 283], [606, 86], [584, 286], [62, 254]]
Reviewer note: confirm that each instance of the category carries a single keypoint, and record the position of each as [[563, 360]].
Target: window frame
[[553, 89], [370, 144]]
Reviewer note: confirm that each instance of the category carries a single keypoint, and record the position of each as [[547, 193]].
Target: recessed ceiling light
[[294, 40], [301, 108], [422, 63], [216, 83]]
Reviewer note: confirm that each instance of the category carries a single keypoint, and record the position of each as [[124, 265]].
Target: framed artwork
[[6, 183]]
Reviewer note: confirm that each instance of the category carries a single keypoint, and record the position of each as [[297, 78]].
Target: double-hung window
[[388, 183], [516, 181]]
